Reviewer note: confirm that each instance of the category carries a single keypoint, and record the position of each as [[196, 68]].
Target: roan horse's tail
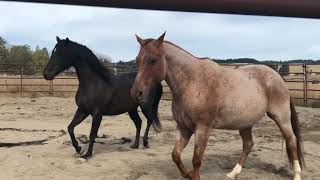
[[296, 129], [157, 96]]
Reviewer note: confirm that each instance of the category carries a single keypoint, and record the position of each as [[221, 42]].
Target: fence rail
[[303, 80]]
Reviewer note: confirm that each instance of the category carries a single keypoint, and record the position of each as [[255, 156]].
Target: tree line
[[267, 62], [25, 56], [11, 56]]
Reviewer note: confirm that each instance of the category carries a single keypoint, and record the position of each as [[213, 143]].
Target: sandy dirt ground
[[47, 118]]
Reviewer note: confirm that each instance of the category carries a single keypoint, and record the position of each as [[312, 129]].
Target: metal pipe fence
[[303, 79]]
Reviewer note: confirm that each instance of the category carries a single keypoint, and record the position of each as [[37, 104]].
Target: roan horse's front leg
[[201, 140], [182, 140], [77, 119]]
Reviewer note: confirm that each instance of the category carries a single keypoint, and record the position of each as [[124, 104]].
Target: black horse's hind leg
[[77, 119], [96, 121], [137, 122]]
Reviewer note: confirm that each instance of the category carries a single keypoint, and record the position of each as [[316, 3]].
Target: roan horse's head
[[152, 67], [61, 59]]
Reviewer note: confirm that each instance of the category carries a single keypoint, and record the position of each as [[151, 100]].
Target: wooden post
[[51, 88], [305, 85], [21, 77]]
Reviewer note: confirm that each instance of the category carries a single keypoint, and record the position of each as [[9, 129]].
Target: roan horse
[[100, 92], [206, 96]]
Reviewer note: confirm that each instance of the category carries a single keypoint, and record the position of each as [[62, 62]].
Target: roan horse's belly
[[242, 106]]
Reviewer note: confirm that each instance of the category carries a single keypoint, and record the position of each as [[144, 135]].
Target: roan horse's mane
[[168, 42], [92, 60]]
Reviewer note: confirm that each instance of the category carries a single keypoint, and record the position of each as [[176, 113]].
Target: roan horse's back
[[274, 85]]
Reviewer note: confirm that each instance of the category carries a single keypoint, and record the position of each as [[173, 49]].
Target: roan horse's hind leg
[[77, 119], [291, 142], [247, 140], [137, 122]]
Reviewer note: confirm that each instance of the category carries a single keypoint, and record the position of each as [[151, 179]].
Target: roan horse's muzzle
[[138, 93]]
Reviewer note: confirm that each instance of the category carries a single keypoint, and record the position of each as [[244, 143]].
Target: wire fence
[[303, 81]]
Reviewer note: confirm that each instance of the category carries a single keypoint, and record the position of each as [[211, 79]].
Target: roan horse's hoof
[[230, 176], [297, 176]]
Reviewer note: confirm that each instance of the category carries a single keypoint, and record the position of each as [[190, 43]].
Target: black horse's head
[[61, 59]]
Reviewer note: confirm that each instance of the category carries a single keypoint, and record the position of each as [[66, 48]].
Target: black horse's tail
[[155, 104], [296, 129]]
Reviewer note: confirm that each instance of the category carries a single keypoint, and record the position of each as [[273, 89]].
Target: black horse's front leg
[[137, 122], [151, 116], [146, 134], [77, 119], [96, 121]]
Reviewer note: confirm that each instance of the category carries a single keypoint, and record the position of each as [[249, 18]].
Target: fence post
[[305, 85], [51, 88], [21, 77]]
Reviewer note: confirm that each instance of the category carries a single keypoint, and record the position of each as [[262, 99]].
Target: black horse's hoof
[[135, 146], [78, 149], [86, 156], [146, 144]]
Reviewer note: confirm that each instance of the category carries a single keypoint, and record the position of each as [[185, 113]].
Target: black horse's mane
[[92, 60]]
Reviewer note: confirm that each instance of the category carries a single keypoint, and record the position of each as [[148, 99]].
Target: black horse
[[100, 92]]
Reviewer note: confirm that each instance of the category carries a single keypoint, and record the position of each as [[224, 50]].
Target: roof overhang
[[282, 8]]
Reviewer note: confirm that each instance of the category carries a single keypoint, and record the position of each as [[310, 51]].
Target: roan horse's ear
[[159, 41], [140, 40], [58, 39]]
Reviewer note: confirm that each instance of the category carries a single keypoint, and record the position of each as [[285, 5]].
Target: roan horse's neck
[[180, 65]]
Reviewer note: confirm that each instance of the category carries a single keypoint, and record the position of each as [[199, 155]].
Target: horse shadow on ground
[[105, 144], [213, 167]]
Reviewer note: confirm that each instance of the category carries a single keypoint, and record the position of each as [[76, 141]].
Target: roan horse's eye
[[152, 61]]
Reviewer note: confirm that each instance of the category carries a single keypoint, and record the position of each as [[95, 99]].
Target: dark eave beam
[[283, 8]]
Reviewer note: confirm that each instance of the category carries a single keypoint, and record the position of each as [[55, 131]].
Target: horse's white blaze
[[297, 170], [236, 170]]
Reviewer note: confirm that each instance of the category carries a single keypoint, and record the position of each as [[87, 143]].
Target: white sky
[[111, 31]]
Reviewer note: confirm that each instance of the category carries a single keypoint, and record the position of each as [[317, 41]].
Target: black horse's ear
[[67, 41], [58, 39], [159, 41]]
